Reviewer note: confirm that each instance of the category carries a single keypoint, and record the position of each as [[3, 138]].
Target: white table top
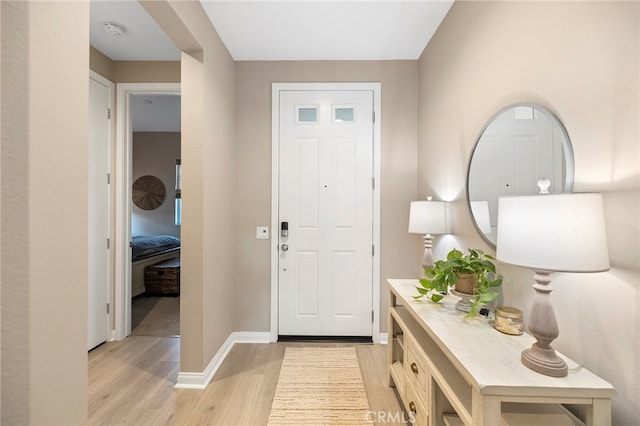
[[489, 359]]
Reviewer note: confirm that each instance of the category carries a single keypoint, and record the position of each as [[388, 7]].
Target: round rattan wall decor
[[148, 192]]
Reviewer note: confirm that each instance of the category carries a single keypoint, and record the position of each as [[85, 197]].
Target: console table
[[441, 363]]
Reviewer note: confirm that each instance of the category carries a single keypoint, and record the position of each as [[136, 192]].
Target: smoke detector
[[112, 29]]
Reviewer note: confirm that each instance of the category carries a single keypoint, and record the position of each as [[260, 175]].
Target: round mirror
[[521, 145]]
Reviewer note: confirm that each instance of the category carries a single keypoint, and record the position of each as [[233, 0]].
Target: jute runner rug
[[319, 386]]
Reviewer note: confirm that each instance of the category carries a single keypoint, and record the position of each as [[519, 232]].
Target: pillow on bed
[[146, 245]]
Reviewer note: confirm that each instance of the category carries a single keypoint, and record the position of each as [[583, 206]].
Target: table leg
[[598, 414], [486, 411]]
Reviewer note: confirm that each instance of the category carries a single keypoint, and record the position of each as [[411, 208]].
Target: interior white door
[[325, 267], [98, 250]]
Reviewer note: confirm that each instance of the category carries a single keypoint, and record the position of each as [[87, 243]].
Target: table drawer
[[417, 372], [418, 415]]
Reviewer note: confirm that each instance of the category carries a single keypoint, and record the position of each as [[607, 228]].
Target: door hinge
[[373, 183], [373, 250], [108, 178], [107, 309], [108, 243], [372, 315], [108, 113], [373, 116]]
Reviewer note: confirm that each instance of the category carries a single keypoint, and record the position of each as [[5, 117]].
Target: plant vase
[[470, 276], [465, 289]]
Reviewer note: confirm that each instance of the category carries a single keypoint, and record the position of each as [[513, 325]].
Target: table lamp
[[480, 212], [547, 233], [427, 217]]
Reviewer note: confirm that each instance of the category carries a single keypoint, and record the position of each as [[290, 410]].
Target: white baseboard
[[201, 380], [188, 380], [384, 338], [251, 337]]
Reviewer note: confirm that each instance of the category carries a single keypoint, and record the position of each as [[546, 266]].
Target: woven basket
[[163, 278], [467, 283]]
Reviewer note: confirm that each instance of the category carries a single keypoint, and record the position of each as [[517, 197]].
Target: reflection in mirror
[[519, 146]]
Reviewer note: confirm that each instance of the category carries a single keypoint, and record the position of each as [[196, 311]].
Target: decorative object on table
[[428, 217], [471, 276], [547, 233], [148, 192], [508, 320]]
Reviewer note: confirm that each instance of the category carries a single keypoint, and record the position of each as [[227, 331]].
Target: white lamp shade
[[427, 217], [480, 212], [556, 232]]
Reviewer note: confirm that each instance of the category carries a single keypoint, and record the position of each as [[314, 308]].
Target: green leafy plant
[[443, 276]]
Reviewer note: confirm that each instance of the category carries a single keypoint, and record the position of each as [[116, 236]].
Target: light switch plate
[[262, 233]]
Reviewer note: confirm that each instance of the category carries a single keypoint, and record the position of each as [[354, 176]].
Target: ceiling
[[155, 113], [325, 30], [269, 30], [280, 30], [142, 39]]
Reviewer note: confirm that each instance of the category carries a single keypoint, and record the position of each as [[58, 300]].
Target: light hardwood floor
[[131, 383]]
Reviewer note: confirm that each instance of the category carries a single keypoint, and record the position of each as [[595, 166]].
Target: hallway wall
[[582, 61], [43, 223]]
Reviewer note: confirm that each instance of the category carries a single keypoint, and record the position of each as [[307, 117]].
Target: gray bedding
[[144, 246]]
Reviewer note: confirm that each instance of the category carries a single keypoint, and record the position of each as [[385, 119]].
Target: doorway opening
[[155, 229], [158, 148]]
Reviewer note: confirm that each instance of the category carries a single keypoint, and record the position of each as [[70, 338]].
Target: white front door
[[325, 265], [98, 250]]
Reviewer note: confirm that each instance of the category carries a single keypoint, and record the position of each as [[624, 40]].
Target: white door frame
[[110, 216], [123, 161], [275, 115]]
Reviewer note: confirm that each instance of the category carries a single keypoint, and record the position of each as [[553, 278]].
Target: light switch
[[262, 233]]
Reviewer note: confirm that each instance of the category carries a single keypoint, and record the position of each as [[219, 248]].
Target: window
[[343, 114], [307, 114], [178, 202]]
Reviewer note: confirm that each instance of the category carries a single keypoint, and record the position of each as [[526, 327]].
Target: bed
[[148, 250]]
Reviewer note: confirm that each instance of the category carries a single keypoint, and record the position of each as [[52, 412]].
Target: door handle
[[284, 247]]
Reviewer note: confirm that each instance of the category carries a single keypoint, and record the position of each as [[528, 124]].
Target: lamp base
[[427, 259], [544, 361], [541, 357]]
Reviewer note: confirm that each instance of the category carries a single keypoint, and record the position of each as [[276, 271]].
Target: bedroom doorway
[[129, 215], [155, 229]]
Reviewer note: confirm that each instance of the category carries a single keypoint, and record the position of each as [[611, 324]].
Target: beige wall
[[44, 208], [155, 153], [134, 71], [581, 60], [146, 72], [208, 161], [253, 174], [101, 64]]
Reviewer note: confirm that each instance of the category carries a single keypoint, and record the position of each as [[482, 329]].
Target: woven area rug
[[319, 386]]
